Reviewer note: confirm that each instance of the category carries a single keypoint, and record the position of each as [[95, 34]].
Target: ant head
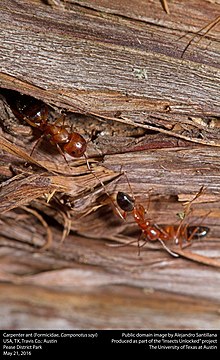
[[38, 113], [76, 146], [125, 201]]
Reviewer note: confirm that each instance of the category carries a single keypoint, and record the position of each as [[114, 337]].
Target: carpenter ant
[[152, 232], [35, 113]]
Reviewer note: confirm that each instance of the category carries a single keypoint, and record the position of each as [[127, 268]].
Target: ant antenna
[[129, 184], [131, 190], [94, 174], [103, 185]]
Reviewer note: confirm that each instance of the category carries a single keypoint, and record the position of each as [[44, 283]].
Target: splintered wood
[[139, 82]]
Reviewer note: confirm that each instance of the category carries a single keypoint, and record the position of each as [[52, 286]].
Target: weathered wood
[[142, 72], [139, 309], [118, 67], [69, 283]]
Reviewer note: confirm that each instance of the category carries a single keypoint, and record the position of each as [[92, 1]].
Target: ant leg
[[145, 241], [187, 206], [165, 6], [132, 193], [138, 244], [162, 243], [94, 174], [197, 227], [123, 245], [123, 215], [37, 143], [148, 202], [104, 187], [134, 241], [62, 153], [207, 28], [61, 119], [183, 234], [188, 239], [167, 249]]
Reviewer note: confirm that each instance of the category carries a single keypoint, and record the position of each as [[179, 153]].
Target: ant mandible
[[152, 232]]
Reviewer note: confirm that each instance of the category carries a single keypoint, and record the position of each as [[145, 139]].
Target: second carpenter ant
[[151, 232]]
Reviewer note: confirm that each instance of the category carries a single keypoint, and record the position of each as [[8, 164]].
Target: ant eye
[[125, 201]]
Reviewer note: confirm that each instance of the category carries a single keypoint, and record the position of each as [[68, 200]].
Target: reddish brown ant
[[36, 114], [152, 232]]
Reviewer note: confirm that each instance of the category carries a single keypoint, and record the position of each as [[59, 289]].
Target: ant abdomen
[[197, 231], [76, 145], [153, 232]]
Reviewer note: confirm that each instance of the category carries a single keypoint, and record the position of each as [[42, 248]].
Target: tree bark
[[148, 104]]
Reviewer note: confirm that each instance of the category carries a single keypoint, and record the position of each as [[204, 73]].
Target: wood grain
[[86, 284], [142, 72], [120, 71]]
